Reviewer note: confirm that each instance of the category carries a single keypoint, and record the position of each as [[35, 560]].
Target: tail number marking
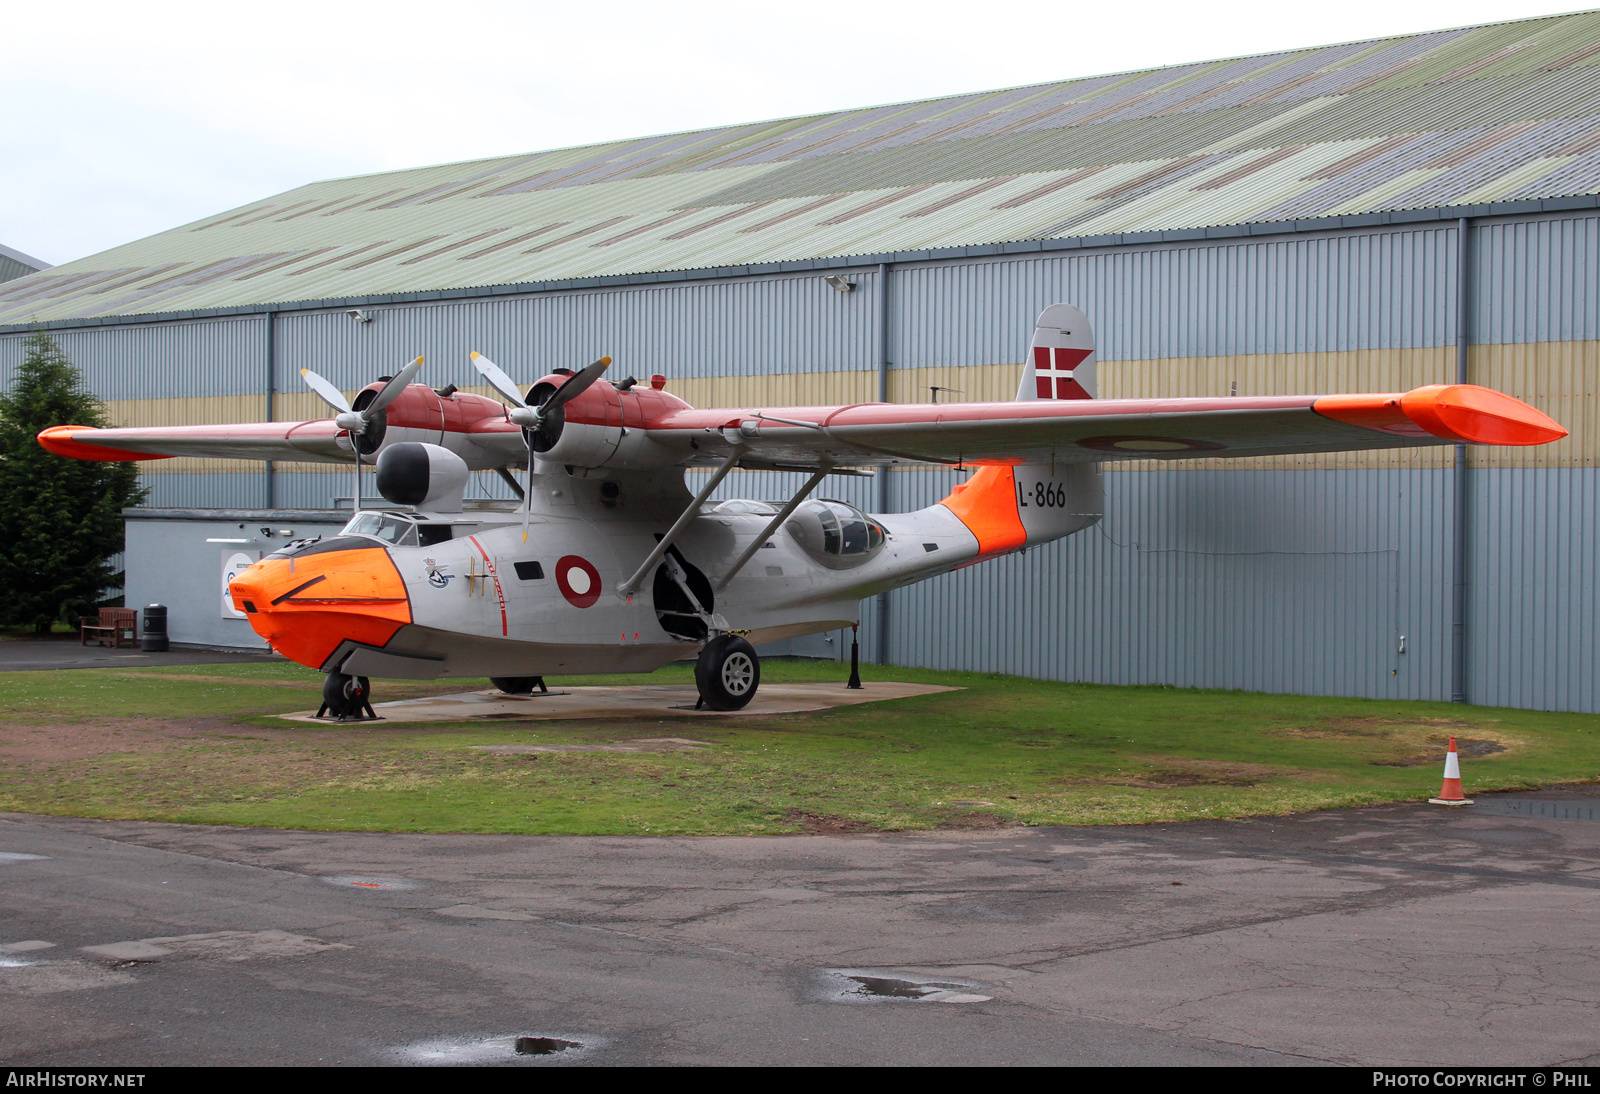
[[1043, 494]]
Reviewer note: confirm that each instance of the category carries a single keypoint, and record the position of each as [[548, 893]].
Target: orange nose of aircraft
[[307, 604]]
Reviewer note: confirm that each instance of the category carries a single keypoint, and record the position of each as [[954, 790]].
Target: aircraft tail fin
[[1009, 507], [1061, 362]]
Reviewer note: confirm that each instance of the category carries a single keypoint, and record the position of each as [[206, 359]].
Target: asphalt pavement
[[24, 655], [1396, 935]]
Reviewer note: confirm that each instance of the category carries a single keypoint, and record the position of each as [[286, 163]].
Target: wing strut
[[775, 523], [631, 586]]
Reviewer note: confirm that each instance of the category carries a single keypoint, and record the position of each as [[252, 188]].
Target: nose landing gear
[[346, 697], [727, 673]]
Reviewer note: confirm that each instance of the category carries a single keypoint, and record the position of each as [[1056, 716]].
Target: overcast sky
[[122, 120]]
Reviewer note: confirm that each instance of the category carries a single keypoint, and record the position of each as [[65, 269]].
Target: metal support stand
[[855, 659], [631, 586]]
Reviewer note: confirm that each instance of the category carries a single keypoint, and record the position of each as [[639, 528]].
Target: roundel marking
[[578, 581], [1152, 445]]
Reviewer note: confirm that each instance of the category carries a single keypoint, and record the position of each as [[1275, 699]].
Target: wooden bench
[[114, 625]]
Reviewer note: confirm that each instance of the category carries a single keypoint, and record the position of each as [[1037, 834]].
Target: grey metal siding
[[1344, 291], [1534, 601], [760, 326], [1287, 581], [207, 490], [1536, 280], [203, 357]]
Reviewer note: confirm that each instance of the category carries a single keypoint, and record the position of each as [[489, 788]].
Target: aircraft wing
[[301, 442], [1023, 431], [1097, 430]]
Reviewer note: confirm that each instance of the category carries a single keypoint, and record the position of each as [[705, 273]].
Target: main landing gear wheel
[[346, 696], [727, 673]]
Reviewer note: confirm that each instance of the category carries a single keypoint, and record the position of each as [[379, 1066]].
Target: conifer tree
[[60, 519]]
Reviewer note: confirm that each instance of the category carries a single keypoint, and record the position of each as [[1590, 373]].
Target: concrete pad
[[27, 655], [640, 701], [128, 951], [27, 947]]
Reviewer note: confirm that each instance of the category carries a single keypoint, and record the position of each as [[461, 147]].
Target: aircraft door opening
[[683, 597]]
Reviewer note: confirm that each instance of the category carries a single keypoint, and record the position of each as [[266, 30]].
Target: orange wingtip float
[[1455, 412], [58, 439]]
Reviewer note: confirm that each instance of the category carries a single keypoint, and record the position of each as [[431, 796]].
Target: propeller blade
[[391, 391], [527, 495], [325, 391], [576, 385], [497, 379]]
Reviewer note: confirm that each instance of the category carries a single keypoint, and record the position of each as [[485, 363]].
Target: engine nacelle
[[602, 427], [424, 475]]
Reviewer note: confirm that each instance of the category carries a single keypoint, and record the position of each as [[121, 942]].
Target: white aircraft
[[611, 563]]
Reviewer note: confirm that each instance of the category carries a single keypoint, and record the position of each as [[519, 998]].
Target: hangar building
[[15, 264], [1369, 216]]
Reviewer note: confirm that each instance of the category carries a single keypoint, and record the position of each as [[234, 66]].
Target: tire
[[727, 673], [345, 695], [515, 685]]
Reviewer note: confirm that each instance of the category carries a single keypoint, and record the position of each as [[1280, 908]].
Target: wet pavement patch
[[892, 986], [1569, 809], [544, 1046], [506, 1048], [362, 881]]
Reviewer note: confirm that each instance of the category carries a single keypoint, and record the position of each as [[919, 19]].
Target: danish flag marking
[[1053, 372]]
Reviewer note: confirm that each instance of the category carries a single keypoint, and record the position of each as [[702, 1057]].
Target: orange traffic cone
[[1450, 791]]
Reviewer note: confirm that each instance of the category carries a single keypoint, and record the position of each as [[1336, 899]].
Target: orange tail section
[[987, 505]]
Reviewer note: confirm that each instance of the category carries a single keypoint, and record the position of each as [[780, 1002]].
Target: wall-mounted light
[[359, 316], [840, 284]]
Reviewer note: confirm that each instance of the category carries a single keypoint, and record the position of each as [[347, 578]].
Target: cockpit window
[[385, 526], [846, 530], [746, 507]]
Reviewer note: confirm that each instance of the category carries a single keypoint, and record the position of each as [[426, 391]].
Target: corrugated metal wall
[[1290, 581], [1268, 576]]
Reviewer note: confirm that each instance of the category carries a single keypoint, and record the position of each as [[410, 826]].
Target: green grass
[[196, 744]]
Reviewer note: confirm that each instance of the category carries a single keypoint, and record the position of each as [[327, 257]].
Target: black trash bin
[[153, 638]]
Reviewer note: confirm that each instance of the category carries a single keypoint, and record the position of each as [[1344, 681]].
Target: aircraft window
[[846, 530], [743, 506], [529, 571], [385, 526], [433, 533]]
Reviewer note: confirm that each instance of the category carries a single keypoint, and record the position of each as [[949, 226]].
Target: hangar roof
[[1495, 113], [14, 264]]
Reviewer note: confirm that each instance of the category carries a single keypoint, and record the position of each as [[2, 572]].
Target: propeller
[[533, 418], [357, 421]]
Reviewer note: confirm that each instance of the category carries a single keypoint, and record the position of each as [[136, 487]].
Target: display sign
[[234, 563]]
